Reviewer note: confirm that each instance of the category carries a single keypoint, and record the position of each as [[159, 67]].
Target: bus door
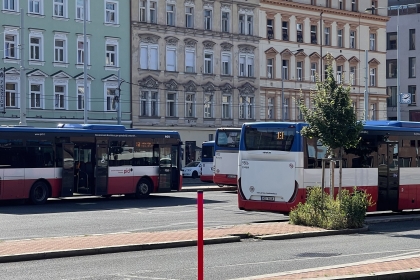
[[175, 168], [67, 175], [101, 169], [388, 180], [165, 168]]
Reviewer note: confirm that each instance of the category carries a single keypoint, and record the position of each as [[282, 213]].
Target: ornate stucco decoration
[[149, 82], [246, 49], [189, 3], [171, 41], [149, 38], [171, 85], [246, 89], [226, 47], [209, 87], [190, 43], [208, 45], [190, 86], [226, 89]]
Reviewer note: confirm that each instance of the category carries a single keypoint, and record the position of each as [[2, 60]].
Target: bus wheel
[[144, 188], [194, 175], [39, 193]]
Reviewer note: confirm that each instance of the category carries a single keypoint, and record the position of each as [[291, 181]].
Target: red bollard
[[200, 240]]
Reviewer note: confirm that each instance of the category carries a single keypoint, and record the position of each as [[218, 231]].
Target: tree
[[331, 119]]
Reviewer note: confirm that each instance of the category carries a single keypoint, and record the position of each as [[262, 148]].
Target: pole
[[398, 67], [119, 99], [320, 35], [22, 70], [282, 88], [200, 239], [366, 93], [85, 61]]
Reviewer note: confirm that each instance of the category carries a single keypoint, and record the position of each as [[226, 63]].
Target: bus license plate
[[267, 198]]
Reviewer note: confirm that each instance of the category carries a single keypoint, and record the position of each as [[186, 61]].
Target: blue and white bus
[[277, 165], [226, 151], [207, 154]]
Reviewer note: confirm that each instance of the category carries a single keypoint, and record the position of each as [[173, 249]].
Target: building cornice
[[319, 9]]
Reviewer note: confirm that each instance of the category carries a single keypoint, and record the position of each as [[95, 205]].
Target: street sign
[[405, 98], [2, 90]]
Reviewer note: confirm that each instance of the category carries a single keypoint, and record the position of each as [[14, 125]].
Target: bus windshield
[[227, 138], [269, 138]]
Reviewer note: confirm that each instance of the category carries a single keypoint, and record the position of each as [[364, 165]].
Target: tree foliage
[[332, 118]]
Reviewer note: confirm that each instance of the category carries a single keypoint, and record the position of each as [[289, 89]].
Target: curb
[[311, 234], [392, 219], [387, 275], [114, 249]]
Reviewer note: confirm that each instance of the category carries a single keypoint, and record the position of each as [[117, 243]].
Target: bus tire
[[194, 175], [144, 188], [39, 193]]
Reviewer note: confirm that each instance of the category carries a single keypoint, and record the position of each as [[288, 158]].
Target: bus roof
[[89, 129], [208, 143]]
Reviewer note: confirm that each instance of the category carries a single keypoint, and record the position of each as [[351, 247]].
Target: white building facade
[[298, 34]]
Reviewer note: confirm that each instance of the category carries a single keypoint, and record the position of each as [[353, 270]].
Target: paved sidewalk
[[43, 248]]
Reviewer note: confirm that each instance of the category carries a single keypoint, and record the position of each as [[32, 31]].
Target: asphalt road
[[84, 216], [227, 261]]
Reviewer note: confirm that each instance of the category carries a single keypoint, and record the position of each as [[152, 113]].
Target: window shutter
[[189, 61], [153, 58], [170, 60]]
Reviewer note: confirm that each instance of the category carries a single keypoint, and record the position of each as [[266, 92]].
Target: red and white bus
[[226, 151], [97, 160], [207, 154], [277, 164]]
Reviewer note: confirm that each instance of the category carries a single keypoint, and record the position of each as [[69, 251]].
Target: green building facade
[[53, 61]]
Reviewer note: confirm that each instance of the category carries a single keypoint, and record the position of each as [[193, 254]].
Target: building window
[[149, 103], [313, 35], [10, 5], [59, 50], [412, 39], [412, 91], [372, 77], [10, 46], [328, 3], [35, 7], [170, 15], [35, 48], [225, 21], [411, 67], [170, 59], [314, 66], [59, 8], [373, 111], [190, 60], [142, 11], [270, 30], [285, 69], [81, 52], [299, 70], [286, 109], [111, 93], [299, 33], [285, 30], [36, 93], [170, 104], [81, 97], [80, 14], [249, 25], [246, 107], [339, 78], [246, 65], [392, 96], [327, 36], [226, 64], [391, 41], [354, 5], [207, 19], [11, 95], [270, 108], [153, 12], [208, 105], [341, 4], [189, 17], [340, 38], [242, 24], [352, 75], [111, 12], [111, 56], [372, 41], [208, 63], [190, 105], [391, 68], [59, 96], [226, 106], [352, 39], [270, 70], [149, 57]]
